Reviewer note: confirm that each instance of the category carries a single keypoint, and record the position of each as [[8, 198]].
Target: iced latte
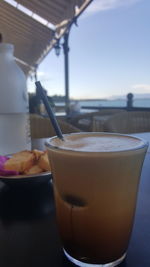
[[96, 178]]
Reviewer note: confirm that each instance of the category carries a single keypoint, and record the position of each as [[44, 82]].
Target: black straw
[[51, 115]]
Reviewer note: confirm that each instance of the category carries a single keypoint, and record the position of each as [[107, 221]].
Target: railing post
[[129, 101]]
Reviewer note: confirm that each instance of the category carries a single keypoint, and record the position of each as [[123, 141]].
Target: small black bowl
[[19, 180]]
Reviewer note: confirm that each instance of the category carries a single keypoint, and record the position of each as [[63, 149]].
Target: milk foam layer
[[97, 142]]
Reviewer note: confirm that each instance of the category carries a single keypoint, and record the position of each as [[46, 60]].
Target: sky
[[109, 53]]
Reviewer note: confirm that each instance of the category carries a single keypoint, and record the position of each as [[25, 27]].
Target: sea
[[139, 102], [145, 102]]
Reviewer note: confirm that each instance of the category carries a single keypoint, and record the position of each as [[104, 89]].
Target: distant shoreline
[[92, 99]]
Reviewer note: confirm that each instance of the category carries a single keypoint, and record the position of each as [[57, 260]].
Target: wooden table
[[28, 231]]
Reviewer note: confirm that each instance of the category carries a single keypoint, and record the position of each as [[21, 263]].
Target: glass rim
[[138, 147]]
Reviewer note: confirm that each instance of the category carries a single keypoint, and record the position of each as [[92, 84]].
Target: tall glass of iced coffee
[[96, 178]]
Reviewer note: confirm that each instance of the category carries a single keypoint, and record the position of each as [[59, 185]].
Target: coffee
[[97, 143], [96, 179]]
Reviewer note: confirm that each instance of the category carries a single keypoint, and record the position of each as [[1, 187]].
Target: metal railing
[[129, 106]]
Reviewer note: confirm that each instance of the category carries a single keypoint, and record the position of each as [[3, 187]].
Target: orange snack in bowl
[[35, 169], [38, 153], [20, 161], [44, 162], [28, 162]]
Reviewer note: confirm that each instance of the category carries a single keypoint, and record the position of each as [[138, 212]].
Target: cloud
[[44, 76], [101, 5], [141, 88], [41, 73]]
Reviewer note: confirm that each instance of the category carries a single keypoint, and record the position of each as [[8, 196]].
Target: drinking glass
[[95, 188]]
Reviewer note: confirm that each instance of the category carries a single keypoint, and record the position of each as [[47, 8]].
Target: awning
[[34, 26]]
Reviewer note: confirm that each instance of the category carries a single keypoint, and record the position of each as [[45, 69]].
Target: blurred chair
[[85, 121], [129, 122], [41, 127]]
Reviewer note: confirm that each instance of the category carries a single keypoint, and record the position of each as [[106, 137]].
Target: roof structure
[[34, 26]]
